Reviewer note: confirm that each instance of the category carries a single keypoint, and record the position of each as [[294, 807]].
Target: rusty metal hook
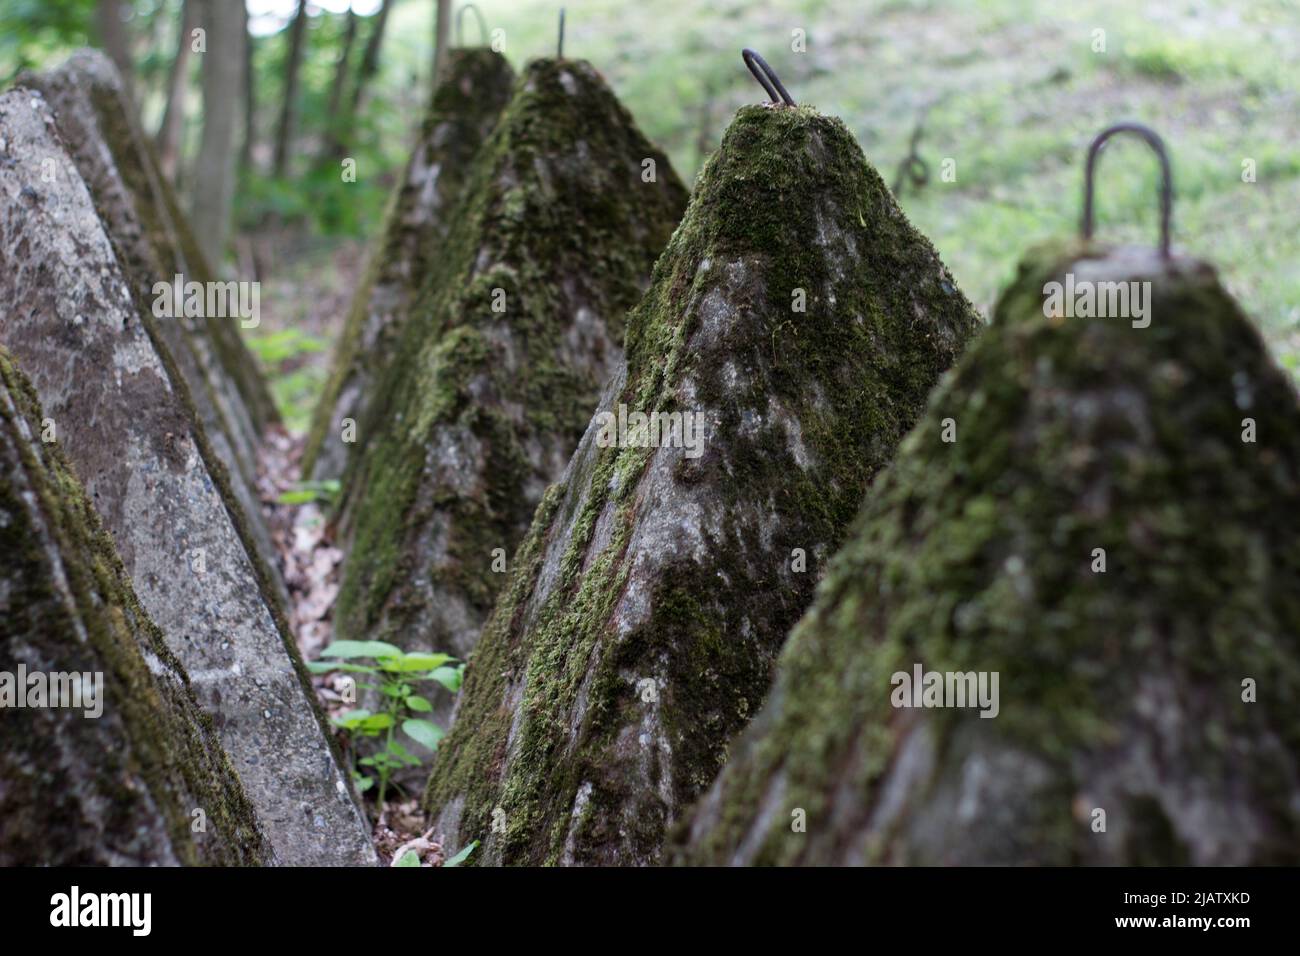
[[1152, 139], [460, 23], [766, 76], [559, 51]]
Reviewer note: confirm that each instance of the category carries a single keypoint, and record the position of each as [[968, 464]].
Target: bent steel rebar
[[1152, 139], [766, 76], [460, 24]]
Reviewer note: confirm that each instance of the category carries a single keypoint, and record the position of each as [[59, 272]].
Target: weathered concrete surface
[[465, 110], [124, 418], [126, 785], [519, 325], [153, 243], [1119, 691], [655, 588]]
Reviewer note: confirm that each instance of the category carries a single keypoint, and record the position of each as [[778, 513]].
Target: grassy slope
[[1017, 93]]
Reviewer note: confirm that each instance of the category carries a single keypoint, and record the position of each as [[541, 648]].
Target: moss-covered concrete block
[[124, 417], [802, 321], [153, 243], [464, 111], [135, 775], [1105, 515], [518, 324]]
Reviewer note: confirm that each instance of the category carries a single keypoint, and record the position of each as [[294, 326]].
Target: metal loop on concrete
[[1152, 139], [766, 76], [460, 23]]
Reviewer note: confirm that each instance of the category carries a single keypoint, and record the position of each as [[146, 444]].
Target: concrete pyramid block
[[793, 330], [518, 325], [1099, 510], [465, 110], [124, 417], [105, 758]]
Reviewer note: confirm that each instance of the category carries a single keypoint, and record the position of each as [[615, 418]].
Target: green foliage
[[305, 492], [33, 32], [395, 674], [462, 856], [283, 355], [317, 196]]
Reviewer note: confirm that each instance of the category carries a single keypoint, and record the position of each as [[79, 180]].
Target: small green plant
[[395, 675], [462, 856], [305, 492]]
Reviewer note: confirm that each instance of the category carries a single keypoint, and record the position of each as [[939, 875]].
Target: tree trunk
[[214, 173], [173, 120], [345, 57], [800, 322], [1090, 569], [369, 63], [284, 135], [441, 39], [115, 40], [250, 101]]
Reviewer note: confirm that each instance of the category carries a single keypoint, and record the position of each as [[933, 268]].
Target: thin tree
[[110, 24], [332, 145], [341, 64], [441, 39], [369, 61], [250, 100], [292, 66], [214, 171], [173, 118]]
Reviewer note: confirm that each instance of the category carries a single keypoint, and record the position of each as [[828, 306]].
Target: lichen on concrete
[[516, 326], [144, 782], [1120, 690], [465, 109], [153, 243], [648, 602]]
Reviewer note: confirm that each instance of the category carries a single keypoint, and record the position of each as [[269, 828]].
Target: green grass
[[1012, 91]]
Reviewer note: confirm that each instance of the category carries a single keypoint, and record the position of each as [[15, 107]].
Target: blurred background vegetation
[[1009, 91]]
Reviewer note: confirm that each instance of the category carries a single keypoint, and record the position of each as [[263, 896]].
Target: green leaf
[[374, 649], [376, 723], [296, 497], [305, 492], [325, 667], [418, 704], [402, 754], [351, 718], [462, 856], [363, 782], [409, 858], [407, 663], [423, 732], [448, 677]]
